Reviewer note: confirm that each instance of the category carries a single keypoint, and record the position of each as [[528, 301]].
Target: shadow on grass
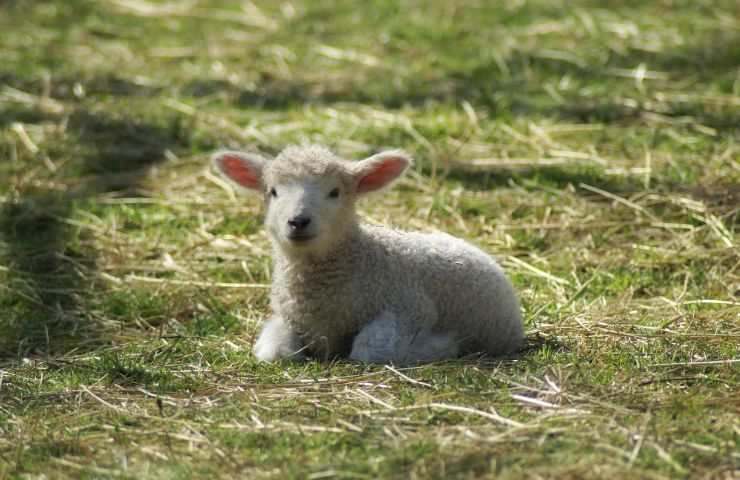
[[10, 114], [47, 303], [535, 343], [49, 275], [520, 93], [550, 176], [122, 150], [88, 85], [516, 88]]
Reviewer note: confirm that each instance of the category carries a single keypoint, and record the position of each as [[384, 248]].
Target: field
[[592, 147]]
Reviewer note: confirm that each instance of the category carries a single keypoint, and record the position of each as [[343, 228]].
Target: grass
[[592, 147]]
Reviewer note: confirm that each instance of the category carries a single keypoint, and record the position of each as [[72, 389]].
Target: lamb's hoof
[[265, 352]]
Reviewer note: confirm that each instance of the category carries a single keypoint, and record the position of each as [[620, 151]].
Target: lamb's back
[[469, 289]]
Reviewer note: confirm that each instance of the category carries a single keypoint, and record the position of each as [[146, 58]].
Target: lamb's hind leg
[[276, 341], [384, 340]]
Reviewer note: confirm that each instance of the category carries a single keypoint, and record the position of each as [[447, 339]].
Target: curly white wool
[[375, 294]]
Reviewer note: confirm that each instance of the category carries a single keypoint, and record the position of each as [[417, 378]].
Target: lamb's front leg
[[276, 341], [392, 339]]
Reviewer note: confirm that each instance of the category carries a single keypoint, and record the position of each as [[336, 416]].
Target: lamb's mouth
[[300, 238]]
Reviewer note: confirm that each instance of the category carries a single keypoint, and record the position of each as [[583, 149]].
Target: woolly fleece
[[378, 294]]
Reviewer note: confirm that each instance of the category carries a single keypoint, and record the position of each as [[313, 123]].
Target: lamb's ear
[[380, 170], [244, 169]]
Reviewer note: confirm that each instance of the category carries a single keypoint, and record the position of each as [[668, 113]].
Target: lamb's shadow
[[51, 261], [535, 342]]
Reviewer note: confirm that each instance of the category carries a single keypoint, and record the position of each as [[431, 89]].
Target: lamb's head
[[309, 192]]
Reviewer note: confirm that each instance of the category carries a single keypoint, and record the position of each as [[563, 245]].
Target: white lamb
[[343, 288]]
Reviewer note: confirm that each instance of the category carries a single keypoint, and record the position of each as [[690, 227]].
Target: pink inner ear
[[382, 174], [240, 171]]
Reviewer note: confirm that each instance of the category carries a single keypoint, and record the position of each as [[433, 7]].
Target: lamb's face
[[308, 215], [309, 192]]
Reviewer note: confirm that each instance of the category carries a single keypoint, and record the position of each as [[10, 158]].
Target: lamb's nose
[[299, 223]]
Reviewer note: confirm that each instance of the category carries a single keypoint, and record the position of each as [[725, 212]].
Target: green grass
[[591, 146]]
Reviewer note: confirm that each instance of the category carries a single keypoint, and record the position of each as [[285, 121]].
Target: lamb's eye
[[334, 193], [273, 192]]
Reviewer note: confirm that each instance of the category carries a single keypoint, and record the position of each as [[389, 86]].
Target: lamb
[[343, 288]]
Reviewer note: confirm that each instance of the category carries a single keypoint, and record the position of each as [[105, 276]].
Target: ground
[[592, 147]]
